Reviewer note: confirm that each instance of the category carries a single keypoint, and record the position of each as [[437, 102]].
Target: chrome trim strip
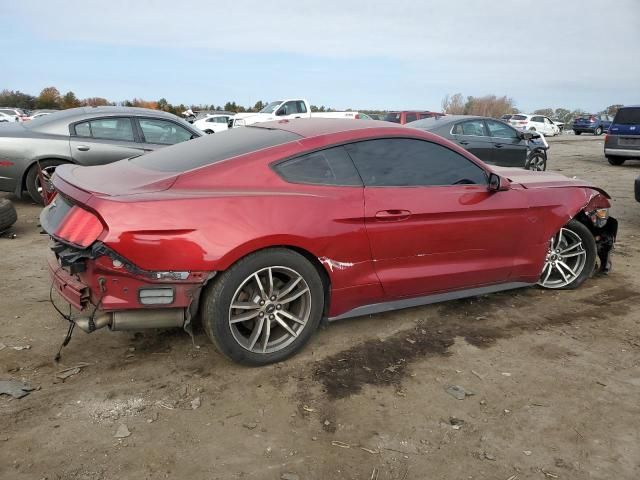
[[428, 299], [621, 152]]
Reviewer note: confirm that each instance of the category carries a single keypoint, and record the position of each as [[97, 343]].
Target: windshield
[[519, 117], [271, 107], [628, 116]]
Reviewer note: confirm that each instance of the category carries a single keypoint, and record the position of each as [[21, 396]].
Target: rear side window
[[499, 129], [519, 117], [392, 117], [213, 148], [472, 127], [331, 166], [301, 107], [628, 116], [163, 132], [404, 162], [112, 128]]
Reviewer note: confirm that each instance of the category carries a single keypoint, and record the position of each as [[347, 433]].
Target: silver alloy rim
[[565, 261], [47, 173], [537, 163], [270, 309]]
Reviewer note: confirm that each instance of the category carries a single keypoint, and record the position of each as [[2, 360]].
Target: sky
[[375, 54]]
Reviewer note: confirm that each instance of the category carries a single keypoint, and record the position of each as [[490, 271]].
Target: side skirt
[[428, 299]]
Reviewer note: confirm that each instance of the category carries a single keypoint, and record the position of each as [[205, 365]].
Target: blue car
[[591, 123], [623, 139]]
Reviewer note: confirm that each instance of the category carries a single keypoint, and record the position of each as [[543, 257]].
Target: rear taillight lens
[[80, 227]]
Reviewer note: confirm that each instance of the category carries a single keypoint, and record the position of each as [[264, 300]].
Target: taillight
[[592, 119], [80, 227]]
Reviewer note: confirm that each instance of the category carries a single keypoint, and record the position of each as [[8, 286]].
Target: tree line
[[51, 98], [496, 107]]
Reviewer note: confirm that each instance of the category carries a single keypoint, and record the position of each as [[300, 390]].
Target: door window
[[301, 107], [112, 128], [289, 108], [537, 119], [163, 132], [404, 162], [331, 166], [471, 127], [411, 117], [499, 129]]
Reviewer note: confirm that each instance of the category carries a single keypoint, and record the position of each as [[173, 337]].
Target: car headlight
[[599, 217]]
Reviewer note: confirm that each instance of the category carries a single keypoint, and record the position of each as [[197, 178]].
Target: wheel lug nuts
[[261, 302], [261, 314], [271, 317], [273, 298], [278, 307]]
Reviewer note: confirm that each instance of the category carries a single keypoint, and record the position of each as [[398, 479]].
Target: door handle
[[83, 148], [463, 142], [392, 215], [497, 145]]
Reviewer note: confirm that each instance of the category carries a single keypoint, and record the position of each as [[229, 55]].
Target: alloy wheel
[[537, 163], [566, 259], [270, 309]]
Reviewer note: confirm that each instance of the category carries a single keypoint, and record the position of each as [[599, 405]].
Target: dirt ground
[[555, 378]]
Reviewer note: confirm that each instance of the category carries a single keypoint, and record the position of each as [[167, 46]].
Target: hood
[[531, 179], [115, 179]]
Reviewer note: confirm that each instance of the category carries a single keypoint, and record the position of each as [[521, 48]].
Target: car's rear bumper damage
[[106, 290]]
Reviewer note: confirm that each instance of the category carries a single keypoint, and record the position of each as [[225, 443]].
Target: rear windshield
[[519, 117], [585, 117], [628, 116], [213, 148]]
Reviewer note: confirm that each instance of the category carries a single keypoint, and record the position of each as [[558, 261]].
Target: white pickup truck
[[286, 109]]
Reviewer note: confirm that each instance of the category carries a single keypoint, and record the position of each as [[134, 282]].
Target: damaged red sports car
[[263, 231]]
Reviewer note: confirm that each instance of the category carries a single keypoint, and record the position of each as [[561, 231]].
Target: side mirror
[[281, 112], [497, 183], [527, 135]]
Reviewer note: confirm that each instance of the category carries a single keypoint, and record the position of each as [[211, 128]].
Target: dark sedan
[[492, 141], [84, 136]]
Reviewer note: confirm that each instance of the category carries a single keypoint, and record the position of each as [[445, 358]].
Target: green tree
[[547, 112], [69, 100], [258, 106], [561, 114], [15, 98], [49, 98], [99, 101], [613, 109]]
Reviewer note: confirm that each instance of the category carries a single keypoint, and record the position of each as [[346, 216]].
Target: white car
[[213, 123], [4, 118], [535, 123], [11, 114]]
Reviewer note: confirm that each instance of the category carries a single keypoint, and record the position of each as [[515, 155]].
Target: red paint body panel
[[206, 219]]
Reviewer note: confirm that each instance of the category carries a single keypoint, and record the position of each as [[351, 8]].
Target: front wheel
[[536, 162], [571, 258], [265, 307], [598, 131], [578, 133]]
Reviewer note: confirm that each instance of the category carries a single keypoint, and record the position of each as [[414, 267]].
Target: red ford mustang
[[264, 230]]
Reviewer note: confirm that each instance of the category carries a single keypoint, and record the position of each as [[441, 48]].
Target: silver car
[[85, 136]]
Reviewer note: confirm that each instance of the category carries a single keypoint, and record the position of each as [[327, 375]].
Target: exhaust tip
[[88, 325]]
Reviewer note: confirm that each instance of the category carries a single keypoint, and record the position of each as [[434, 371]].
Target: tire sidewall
[[532, 158], [216, 302], [32, 175]]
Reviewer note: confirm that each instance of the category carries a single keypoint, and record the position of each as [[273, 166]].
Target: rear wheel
[[617, 161], [209, 131], [577, 133], [571, 257], [265, 307], [34, 187], [598, 131]]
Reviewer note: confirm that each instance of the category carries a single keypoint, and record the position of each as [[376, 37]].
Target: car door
[[157, 133], [510, 150], [103, 140], [472, 136], [433, 225]]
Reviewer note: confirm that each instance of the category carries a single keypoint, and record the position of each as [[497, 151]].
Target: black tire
[[589, 246], [33, 182], [218, 296], [8, 215], [577, 133], [617, 161], [532, 129], [598, 131], [533, 159], [209, 132]]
